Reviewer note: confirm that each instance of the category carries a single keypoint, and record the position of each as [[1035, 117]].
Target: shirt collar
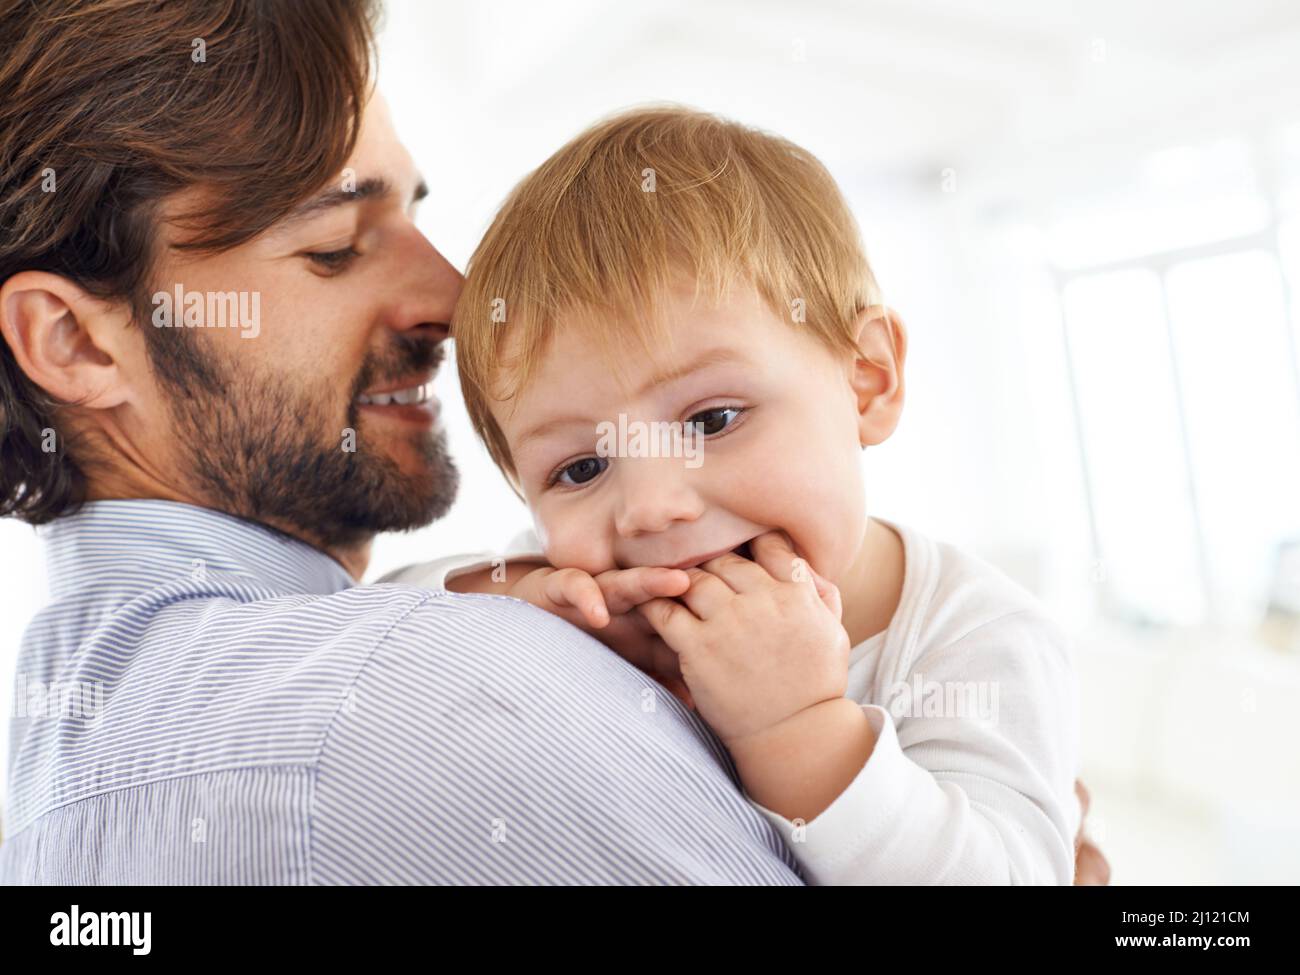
[[143, 542]]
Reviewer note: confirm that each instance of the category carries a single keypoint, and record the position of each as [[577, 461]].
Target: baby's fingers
[[676, 624], [829, 593], [625, 588], [577, 589]]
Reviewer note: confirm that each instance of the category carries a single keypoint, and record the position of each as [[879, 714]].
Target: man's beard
[[260, 448]]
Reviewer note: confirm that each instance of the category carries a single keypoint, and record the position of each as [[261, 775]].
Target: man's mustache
[[408, 354]]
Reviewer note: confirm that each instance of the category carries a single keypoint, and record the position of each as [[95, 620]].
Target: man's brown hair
[[107, 108]]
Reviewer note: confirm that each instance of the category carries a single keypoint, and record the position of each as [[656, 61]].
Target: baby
[[672, 344]]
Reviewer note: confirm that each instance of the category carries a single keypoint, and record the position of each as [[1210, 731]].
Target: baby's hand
[[603, 604], [757, 642]]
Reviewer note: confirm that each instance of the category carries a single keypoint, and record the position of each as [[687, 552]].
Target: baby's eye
[[581, 471], [716, 420]]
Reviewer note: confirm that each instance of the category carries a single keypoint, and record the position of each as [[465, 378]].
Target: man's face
[[317, 420]]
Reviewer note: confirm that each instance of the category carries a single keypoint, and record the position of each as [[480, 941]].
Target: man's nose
[[426, 286], [653, 494]]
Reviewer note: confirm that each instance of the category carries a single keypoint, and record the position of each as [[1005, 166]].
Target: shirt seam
[[147, 783], [425, 597]]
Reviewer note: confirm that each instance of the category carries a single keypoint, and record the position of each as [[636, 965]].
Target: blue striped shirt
[[207, 701]]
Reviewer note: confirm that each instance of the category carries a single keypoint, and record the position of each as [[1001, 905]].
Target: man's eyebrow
[[713, 357], [371, 188]]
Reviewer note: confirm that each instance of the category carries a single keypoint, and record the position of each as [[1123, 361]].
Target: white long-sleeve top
[[972, 696]]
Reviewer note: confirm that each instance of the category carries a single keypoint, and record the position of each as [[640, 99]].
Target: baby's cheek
[[826, 534], [577, 546]]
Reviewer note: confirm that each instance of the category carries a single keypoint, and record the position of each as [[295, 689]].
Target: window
[[1242, 409], [1186, 381], [1124, 383]]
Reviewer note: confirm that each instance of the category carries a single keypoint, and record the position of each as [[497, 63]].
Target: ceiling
[[1020, 91]]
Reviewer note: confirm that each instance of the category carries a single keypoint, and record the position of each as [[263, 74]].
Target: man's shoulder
[[481, 716], [493, 631], [348, 618], [218, 683], [329, 640], [405, 609], [417, 636], [481, 663]]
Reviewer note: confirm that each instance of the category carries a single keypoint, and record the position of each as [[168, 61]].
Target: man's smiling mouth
[[406, 392], [409, 396], [411, 402]]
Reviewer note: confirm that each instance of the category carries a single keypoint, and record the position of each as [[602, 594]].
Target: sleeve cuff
[[435, 574], [866, 812]]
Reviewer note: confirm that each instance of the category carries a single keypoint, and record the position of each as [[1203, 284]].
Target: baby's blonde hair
[[603, 229]]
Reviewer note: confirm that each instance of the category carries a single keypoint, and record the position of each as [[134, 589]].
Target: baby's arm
[[953, 798], [935, 800]]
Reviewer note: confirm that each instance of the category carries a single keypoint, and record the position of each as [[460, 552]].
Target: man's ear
[[877, 376], [63, 338]]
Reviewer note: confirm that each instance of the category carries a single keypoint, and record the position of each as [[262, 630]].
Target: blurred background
[[1088, 217]]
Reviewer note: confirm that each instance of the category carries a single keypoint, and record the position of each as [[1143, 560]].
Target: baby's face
[[779, 447]]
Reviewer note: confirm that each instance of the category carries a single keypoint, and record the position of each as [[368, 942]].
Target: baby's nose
[[653, 497]]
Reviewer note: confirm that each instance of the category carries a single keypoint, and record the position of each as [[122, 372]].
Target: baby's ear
[[876, 376]]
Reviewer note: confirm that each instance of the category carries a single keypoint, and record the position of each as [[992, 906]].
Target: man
[[211, 290]]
